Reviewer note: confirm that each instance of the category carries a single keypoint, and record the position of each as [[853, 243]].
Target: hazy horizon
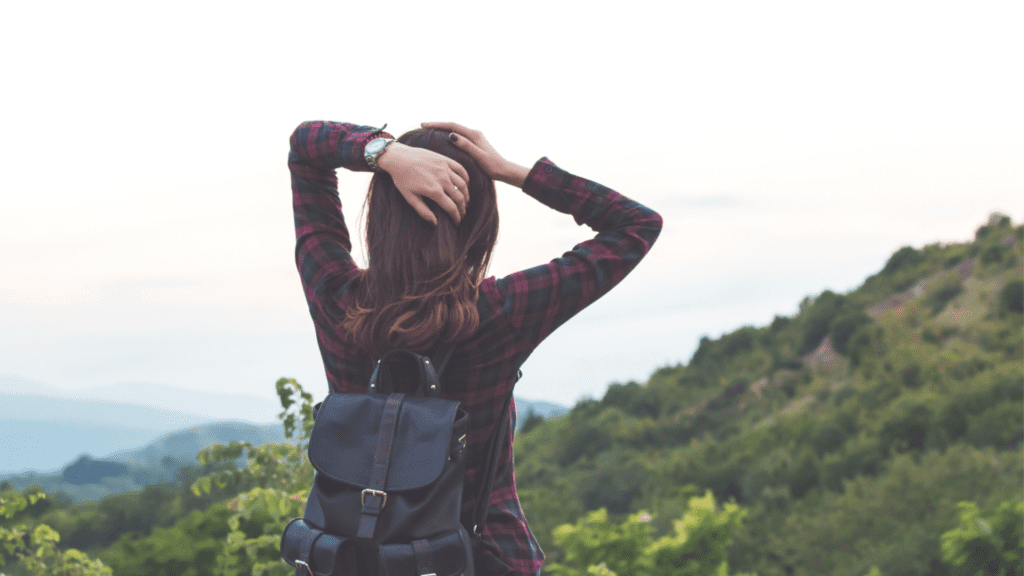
[[146, 227]]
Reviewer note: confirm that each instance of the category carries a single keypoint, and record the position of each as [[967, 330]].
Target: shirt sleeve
[[538, 300], [323, 246]]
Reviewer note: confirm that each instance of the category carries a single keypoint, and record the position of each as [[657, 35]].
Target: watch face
[[375, 145]]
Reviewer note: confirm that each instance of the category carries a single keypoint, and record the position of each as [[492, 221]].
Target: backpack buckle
[[381, 493]]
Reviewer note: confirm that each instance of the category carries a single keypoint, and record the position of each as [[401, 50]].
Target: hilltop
[[850, 430]]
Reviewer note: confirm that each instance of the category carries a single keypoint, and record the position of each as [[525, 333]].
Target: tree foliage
[[34, 547], [596, 545], [987, 544]]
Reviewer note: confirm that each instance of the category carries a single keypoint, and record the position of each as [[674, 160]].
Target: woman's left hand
[[420, 173]]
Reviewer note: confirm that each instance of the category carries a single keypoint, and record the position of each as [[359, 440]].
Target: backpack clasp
[[381, 493]]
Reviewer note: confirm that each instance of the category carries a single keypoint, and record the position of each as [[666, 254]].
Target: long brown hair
[[420, 285]]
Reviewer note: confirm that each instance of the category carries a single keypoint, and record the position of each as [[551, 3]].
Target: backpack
[[387, 492]]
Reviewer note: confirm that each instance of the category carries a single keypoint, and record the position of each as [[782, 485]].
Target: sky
[[146, 231]]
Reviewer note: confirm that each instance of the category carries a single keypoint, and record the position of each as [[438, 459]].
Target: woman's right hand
[[474, 143]]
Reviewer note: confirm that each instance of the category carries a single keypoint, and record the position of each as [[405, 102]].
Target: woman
[[432, 223]]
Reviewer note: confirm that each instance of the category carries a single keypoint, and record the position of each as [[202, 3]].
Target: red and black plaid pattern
[[517, 312]]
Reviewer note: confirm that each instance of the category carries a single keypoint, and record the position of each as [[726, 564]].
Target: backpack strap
[[374, 498], [424, 562], [429, 372], [444, 355], [483, 501]]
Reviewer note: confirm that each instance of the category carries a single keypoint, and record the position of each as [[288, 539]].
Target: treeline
[[874, 432]]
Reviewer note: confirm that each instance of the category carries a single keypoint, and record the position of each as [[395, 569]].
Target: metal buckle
[[308, 569], [381, 493]]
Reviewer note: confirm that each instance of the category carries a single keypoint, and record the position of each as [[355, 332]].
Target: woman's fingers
[[471, 148], [445, 202], [421, 208], [451, 127], [459, 191], [459, 169]]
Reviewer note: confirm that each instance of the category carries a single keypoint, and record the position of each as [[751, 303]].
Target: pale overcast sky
[[791, 147]]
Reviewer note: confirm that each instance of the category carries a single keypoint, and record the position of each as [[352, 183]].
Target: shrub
[[818, 318], [1001, 426], [995, 254], [1011, 297], [867, 341], [992, 545], [738, 342], [780, 323], [595, 545], [907, 426], [947, 289], [902, 258], [844, 326]]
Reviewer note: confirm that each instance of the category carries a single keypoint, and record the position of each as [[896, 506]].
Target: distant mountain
[[539, 407], [46, 447], [42, 428], [185, 444], [90, 478]]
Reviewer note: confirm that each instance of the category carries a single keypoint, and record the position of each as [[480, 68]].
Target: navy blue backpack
[[387, 492]]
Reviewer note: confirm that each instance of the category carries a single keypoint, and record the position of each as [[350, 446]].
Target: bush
[[818, 318], [947, 289], [867, 342], [738, 342], [597, 546], [844, 326], [1001, 426], [780, 323], [1011, 297], [618, 477], [995, 254], [937, 335], [987, 543], [736, 387], [632, 398], [907, 426], [905, 257]]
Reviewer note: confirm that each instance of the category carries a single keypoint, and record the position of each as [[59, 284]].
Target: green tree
[[597, 546], [35, 547], [276, 480], [987, 545]]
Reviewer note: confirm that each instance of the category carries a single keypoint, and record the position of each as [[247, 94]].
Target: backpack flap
[[345, 438], [316, 553], [446, 555]]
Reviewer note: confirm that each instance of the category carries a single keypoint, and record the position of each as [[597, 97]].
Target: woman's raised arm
[[323, 245], [539, 300]]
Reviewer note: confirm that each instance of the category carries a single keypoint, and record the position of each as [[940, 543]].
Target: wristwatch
[[374, 149]]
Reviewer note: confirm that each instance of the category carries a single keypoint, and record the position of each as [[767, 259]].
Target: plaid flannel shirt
[[516, 312]]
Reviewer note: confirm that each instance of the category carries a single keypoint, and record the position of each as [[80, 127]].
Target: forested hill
[[849, 431]]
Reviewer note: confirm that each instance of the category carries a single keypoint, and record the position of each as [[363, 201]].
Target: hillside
[[90, 478], [43, 428], [850, 430]]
